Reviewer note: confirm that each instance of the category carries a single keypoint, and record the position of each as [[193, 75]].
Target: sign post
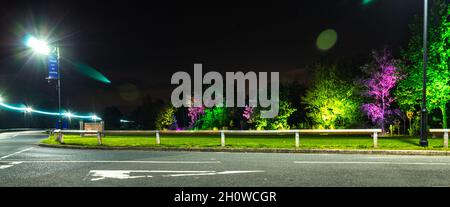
[[53, 65]]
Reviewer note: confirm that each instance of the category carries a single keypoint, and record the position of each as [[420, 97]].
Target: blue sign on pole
[[53, 66]]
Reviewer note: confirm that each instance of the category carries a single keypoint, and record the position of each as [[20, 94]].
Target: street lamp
[[42, 47], [424, 112]]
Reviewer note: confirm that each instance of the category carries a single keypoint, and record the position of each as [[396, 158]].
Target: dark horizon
[[138, 47]]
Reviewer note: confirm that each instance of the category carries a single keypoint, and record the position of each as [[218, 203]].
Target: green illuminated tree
[[166, 118], [214, 118], [409, 91], [277, 123], [331, 102]]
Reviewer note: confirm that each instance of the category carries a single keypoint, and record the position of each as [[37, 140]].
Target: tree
[[213, 118], [111, 116], [330, 101], [384, 77], [409, 90], [145, 115], [166, 118], [277, 123], [194, 114], [248, 111]]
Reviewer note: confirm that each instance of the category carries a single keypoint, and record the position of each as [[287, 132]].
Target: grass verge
[[255, 142]]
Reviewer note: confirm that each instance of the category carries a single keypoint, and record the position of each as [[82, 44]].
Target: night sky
[[138, 46]]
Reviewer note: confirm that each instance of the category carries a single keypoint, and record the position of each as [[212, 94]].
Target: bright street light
[[29, 109], [42, 47], [68, 115], [38, 46]]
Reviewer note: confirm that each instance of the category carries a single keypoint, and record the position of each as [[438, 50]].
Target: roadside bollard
[[60, 137], [445, 139], [375, 139], [222, 139], [158, 140], [99, 138], [297, 140]]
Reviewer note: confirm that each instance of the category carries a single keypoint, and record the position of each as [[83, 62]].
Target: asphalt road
[[24, 163]]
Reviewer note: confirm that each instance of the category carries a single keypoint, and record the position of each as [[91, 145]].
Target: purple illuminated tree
[[194, 114], [248, 111], [383, 79]]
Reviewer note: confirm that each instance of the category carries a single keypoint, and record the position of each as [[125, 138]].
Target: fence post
[[222, 139], [99, 137], [445, 139], [158, 140], [375, 139], [81, 127], [297, 140], [60, 137]]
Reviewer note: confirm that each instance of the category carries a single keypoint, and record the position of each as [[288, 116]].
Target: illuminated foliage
[[409, 90], [331, 102], [277, 123], [213, 118], [248, 111], [166, 118], [383, 79], [194, 114]]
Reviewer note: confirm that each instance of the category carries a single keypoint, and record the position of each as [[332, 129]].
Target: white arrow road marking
[[10, 164], [126, 174]]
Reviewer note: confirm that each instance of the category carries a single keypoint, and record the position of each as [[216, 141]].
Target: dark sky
[[139, 45]]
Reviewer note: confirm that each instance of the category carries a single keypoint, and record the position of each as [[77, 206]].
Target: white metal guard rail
[[157, 133]]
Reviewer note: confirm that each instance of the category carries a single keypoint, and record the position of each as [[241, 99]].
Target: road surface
[[24, 163]]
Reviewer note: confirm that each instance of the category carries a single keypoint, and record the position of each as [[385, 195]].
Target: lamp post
[[424, 112], [42, 47]]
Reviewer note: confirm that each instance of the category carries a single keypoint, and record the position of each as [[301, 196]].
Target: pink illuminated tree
[[383, 79], [248, 111], [194, 114]]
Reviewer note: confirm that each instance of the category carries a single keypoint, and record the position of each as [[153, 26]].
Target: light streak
[[66, 114]]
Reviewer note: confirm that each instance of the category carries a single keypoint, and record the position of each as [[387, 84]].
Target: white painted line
[[213, 173], [5, 166], [375, 163], [126, 174], [118, 161], [15, 153], [9, 165]]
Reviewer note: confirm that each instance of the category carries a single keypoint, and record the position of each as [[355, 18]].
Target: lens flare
[[326, 39], [38, 46], [31, 110]]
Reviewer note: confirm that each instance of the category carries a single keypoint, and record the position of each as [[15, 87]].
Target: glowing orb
[[326, 39]]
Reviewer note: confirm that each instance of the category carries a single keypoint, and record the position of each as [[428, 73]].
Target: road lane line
[[97, 175], [15, 153], [5, 166], [375, 163], [214, 173], [117, 161]]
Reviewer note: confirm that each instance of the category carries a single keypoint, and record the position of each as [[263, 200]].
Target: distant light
[[95, 117], [326, 39], [38, 46], [125, 121], [68, 115], [31, 110], [1, 99]]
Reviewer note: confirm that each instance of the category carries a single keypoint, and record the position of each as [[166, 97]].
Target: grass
[[306, 142]]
